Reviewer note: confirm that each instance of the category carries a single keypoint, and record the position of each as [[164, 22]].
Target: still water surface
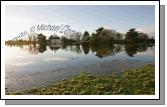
[[28, 66]]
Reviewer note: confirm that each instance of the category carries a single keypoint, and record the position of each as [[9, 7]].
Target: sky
[[80, 17]]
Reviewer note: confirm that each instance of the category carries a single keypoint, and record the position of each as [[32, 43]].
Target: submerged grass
[[138, 81]]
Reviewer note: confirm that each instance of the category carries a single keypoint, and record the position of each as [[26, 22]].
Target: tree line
[[100, 36]]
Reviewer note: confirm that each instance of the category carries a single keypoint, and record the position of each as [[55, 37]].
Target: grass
[[138, 81]]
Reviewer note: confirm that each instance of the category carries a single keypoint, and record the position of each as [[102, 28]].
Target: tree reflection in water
[[132, 49], [100, 51]]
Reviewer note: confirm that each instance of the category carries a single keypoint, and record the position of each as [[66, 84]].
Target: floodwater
[[28, 66]]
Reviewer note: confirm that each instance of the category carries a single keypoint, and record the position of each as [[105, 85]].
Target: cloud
[[149, 30]]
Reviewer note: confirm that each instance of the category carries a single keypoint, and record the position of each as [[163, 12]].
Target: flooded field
[[29, 66]]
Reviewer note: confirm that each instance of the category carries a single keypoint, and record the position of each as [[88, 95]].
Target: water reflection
[[132, 49], [33, 65], [98, 50], [85, 48]]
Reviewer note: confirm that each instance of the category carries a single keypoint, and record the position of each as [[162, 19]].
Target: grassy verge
[[138, 81]]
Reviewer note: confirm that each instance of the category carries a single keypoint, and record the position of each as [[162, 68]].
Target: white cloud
[[16, 25], [149, 30]]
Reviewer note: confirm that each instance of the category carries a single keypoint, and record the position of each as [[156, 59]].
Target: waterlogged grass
[[138, 81]]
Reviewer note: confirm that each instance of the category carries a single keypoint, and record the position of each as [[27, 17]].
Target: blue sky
[[81, 18]]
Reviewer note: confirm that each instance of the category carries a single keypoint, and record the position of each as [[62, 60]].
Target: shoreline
[[136, 81]]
